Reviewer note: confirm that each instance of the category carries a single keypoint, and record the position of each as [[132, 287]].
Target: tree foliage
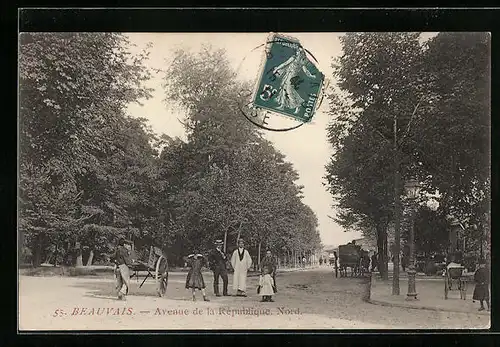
[[413, 107], [90, 173], [80, 155], [227, 181]]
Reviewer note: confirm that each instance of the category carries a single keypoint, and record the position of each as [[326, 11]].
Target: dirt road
[[310, 299]]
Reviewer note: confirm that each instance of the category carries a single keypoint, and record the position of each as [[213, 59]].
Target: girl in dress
[[266, 285], [194, 278]]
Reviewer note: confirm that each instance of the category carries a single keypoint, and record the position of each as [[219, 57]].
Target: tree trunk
[[397, 211], [91, 257], [385, 254], [258, 258], [225, 240], [79, 255], [37, 250], [397, 225], [238, 236], [56, 253], [382, 250]]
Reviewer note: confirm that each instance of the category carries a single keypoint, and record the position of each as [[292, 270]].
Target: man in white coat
[[241, 262]]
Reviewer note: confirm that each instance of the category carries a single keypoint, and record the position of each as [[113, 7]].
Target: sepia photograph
[[264, 180]]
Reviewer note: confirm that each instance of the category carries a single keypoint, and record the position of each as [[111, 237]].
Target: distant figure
[[320, 261], [374, 261], [404, 262], [304, 261], [481, 291], [194, 279], [335, 264], [365, 262], [241, 262], [266, 285]]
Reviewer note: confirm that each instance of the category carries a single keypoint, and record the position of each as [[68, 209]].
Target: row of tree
[[408, 108], [90, 173]]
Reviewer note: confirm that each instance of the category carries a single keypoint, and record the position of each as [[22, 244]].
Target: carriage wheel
[[161, 276], [446, 287]]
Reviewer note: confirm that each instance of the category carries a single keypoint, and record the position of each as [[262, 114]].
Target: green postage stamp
[[289, 83]]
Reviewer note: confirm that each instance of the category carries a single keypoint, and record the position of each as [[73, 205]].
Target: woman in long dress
[[287, 95], [481, 291]]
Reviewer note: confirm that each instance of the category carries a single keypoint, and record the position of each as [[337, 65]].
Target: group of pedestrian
[[241, 261], [217, 262]]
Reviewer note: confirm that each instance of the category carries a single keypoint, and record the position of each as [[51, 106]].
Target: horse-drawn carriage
[[156, 267], [354, 258]]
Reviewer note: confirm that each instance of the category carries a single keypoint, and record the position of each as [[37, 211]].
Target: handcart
[[156, 267], [455, 280]]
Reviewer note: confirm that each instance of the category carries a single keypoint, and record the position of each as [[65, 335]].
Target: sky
[[306, 147]]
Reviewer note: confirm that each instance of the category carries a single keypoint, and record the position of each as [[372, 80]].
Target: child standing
[[481, 291], [266, 285], [194, 278]]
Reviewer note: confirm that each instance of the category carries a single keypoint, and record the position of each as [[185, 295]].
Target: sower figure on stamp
[[289, 71], [270, 263], [241, 262], [217, 260], [122, 272]]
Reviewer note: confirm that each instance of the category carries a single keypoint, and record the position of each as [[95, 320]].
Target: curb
[[390, 304]]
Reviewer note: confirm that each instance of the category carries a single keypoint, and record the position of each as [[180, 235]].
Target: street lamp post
[[412, 188]]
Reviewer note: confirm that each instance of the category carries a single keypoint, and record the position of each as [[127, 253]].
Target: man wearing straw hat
[[217, 260]]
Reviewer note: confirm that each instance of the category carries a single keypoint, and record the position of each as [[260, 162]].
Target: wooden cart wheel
[[161, 276], [446, 287]]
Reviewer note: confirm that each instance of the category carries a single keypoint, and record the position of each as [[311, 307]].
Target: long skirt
[[122, 275], [195, 280], [481, 292]]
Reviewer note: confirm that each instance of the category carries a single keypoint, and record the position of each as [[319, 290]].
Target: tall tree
[[453, 144], [377, 98], [73, 91], [226, 180]]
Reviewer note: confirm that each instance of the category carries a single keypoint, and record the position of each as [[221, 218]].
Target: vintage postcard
[[289, 180]]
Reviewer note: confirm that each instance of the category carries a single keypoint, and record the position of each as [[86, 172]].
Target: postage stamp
[[289, 82]]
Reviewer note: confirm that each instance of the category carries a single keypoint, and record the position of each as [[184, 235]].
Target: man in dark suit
[[217, 260]]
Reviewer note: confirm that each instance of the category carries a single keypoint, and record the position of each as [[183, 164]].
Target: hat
[[218, 243]]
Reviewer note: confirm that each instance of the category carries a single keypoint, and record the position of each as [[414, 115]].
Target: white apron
[[240, 269]]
